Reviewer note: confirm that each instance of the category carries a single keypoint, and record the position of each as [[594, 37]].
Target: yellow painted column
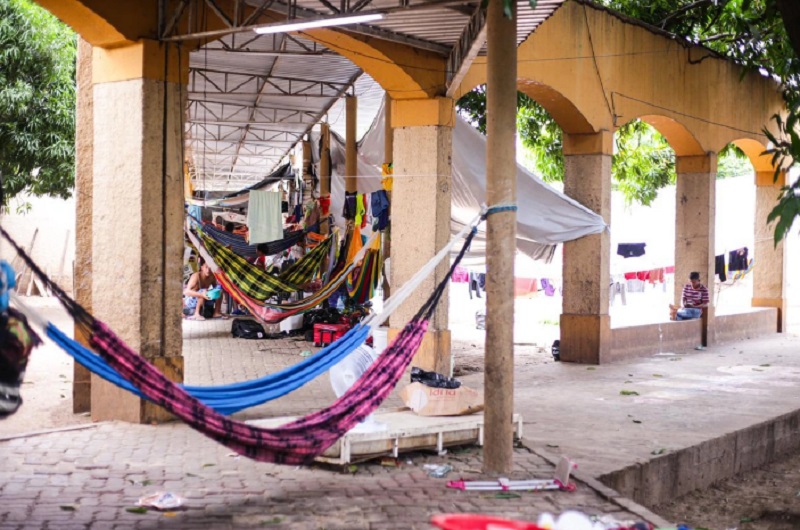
[[137, 218], [350, 152], [585, 323], [84, 160], [695, 211], [769, 272], [423, 132]]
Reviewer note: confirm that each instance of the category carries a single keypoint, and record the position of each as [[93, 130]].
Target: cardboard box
[[429, 401]]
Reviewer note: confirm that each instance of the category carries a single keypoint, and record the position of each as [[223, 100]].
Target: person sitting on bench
[[695, 298]]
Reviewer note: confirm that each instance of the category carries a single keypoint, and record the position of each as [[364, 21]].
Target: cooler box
[[324, 334]]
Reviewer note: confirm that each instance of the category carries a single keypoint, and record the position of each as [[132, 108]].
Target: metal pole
[[501, 189], [350, 153]]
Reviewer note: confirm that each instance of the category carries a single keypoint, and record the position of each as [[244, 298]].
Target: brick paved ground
[[87, 478]]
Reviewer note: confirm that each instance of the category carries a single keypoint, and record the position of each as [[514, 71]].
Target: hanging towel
[[719, 267], [264, 217], [631, 250]]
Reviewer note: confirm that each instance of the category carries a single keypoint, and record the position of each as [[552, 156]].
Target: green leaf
[[136, 509], [628, 393]]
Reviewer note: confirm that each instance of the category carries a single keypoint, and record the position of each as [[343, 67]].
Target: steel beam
[[466, 49]]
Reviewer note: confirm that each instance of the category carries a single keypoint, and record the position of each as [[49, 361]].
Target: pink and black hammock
[[297, 442]]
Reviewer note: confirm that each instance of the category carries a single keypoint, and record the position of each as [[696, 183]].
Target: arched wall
[[613, 71]]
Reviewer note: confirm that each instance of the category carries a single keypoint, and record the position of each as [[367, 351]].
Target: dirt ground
[[469, 356], [767, 499]]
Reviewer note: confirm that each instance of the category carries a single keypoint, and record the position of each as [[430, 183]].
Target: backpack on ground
[[244, 328]]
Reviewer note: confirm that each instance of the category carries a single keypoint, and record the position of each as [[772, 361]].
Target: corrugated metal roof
[[251, 97]]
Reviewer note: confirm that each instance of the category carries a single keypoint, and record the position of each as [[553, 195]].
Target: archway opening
[[642, 223], [734, 224]]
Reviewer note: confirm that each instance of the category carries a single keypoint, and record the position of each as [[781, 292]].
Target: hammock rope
[[269, 313], [297, 442]]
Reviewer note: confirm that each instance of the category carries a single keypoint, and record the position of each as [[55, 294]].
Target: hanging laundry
[[380, 210], [656, 276], [349, 211], [631, 250], [312, 217], [474, 284], [719, 267], [297, 213], [460, 275], [737, 259], [355, 243], [325, 205], [264, 217], [361, 211]]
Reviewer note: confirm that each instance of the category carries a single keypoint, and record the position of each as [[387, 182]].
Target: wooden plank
[[406, 431]]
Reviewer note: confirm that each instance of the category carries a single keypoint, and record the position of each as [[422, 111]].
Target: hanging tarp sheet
[[545, 216]]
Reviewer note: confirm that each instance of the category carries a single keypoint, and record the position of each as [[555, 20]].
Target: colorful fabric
[[295, 443], [239, 244], [273, 313], [17, 340], [255, 281], [361, 211], [361, 284]]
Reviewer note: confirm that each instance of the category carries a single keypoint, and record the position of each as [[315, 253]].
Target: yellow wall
[[678, 90]]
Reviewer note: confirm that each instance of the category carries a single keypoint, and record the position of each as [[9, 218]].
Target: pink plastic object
[[468, 521]]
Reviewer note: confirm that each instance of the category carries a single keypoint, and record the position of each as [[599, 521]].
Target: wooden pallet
[[406, 431]]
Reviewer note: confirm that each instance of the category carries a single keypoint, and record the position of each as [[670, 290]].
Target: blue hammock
[[230, 398], [239, 245]]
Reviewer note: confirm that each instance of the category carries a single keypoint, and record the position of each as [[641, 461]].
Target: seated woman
[[195, 297]]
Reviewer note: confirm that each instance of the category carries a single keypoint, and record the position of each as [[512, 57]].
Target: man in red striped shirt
[[695, 298]]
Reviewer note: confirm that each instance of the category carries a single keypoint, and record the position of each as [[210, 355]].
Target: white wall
[[54, 247]]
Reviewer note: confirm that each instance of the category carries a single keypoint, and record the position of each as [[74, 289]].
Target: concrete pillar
[[501, 231], [137, 239], [82, 286], [350, 152], [769, 273], [423, 133], [325, 169], [695, 211], [585, 324]]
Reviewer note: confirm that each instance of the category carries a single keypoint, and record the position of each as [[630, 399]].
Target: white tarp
[[545, 216]]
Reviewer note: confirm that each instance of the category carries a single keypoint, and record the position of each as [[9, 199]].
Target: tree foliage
[[758, 34], [762, 35], [37, 101], [642, 163]]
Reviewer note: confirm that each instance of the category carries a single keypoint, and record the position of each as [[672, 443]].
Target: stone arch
[[755, 153], [680, 138], [562, 109]]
